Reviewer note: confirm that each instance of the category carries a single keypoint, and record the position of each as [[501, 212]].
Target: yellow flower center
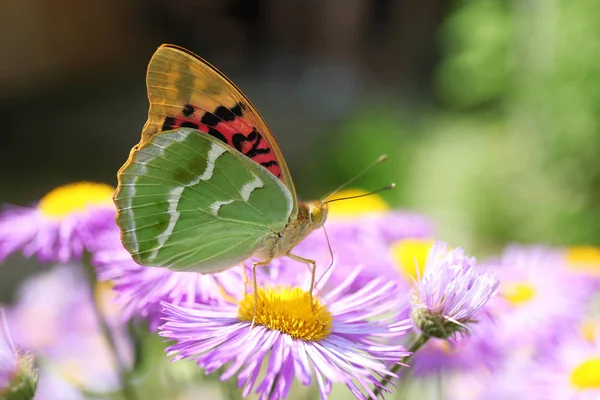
[[587, 374], [411, 255], [74, 197], [289, 311], [584, 258], [356, 207], [518, 292]]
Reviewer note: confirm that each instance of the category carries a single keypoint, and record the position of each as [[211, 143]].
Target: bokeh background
[[489, 110]]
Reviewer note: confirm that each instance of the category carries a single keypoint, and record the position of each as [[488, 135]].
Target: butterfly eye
[[318, 213]]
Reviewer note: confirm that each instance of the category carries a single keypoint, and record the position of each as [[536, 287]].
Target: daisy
[[539, 299], [63, 224], [338, 336], [571, 370], [450, 293]]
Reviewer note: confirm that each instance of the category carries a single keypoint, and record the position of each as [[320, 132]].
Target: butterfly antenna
[[379, 160], [331, 255], [388, 187]]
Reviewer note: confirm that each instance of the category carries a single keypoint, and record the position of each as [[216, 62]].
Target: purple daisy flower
[[64, 223], [450, 293], [140, 290], [571, 370], [539, 298], [340, 337]]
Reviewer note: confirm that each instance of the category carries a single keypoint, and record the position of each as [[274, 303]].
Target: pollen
[[356, 207], [584, 258], [290, 311], [74, 197], [587, 374], [518, 293], [411, 255]]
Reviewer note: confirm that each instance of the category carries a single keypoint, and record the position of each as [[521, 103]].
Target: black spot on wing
[[237, 141], [268, 164], [216, 134], [224, 113], [209, 119], [237, 109], [187, 124], [254, 151], [188, 110], [168, 124]]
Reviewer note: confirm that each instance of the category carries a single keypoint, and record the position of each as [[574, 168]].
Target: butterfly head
[[317, 213]]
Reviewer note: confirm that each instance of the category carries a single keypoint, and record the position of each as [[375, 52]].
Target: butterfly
[[207, 187]]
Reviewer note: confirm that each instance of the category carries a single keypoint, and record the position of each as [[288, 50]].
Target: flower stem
[[127, 389], [420, 340]]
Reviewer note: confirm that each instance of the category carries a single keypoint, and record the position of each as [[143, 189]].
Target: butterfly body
[[207, 187], [311, 216]]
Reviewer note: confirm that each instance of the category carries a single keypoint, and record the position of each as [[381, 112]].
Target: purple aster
[[142, 289], [450, 293], [341, 336], [61, 226], [571, 370], [539, 298]]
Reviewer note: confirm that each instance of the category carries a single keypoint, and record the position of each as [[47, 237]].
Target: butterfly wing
[[186, 200], [186, 91]]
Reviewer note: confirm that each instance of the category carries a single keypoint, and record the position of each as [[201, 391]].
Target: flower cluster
[[394, 304], [538, 339]]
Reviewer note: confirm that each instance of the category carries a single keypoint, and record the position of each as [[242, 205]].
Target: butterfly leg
[[245, 277], [313, 271], [255, 286]]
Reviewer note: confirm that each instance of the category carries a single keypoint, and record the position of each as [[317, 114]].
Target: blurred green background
[[488, 109]]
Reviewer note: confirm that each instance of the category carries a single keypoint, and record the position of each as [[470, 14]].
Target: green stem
[[420, 340], [127, 389]]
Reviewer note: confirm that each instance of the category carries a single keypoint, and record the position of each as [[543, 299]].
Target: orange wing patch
[[186, 91]]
